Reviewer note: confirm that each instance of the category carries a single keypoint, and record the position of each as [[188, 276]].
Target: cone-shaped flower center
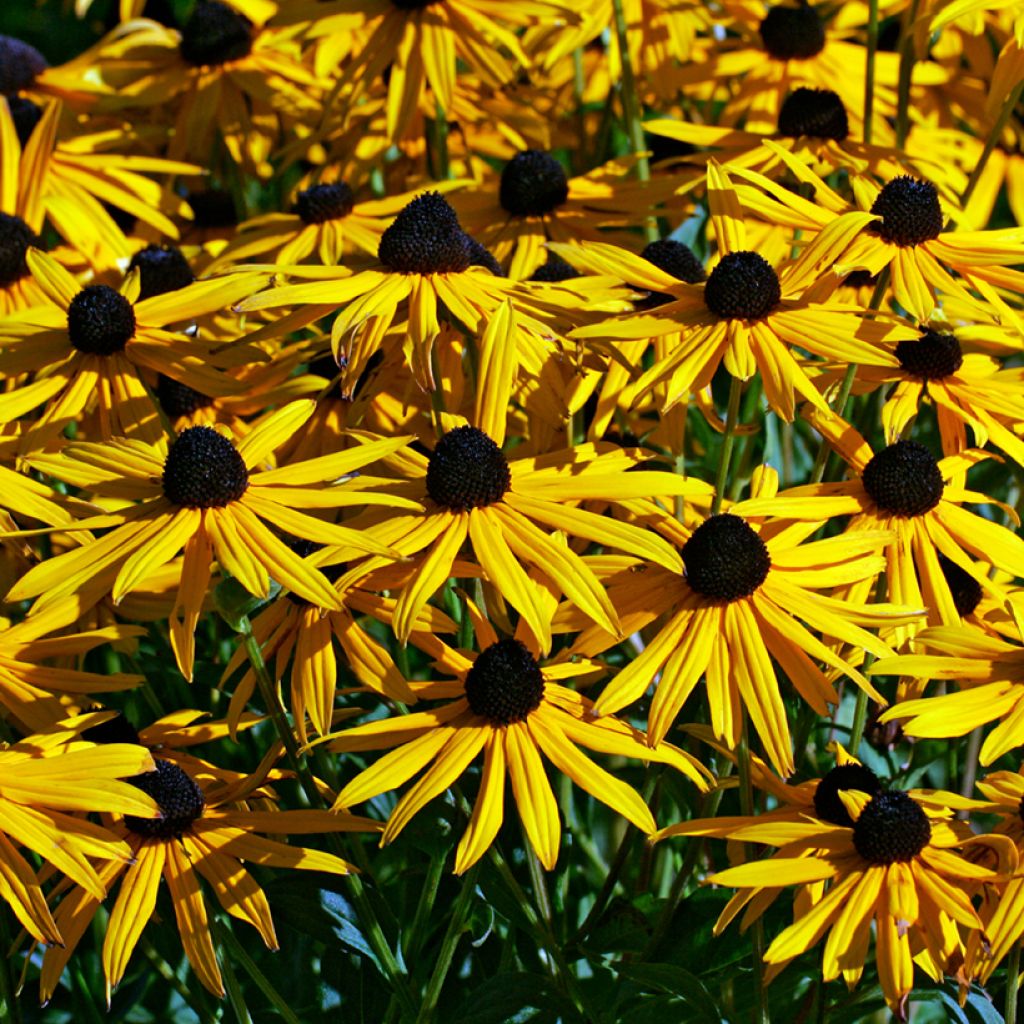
[[827, 804], [114, 730], [214, 34], [101, 321], [676, 259], [15, 238], [725, 559], [554, 269], [19, 65], [180, 800], [533, 183], [322, 203], [966, 590], [177, 399], [793, 33], [743, 286], [904, 479], [909, 211], [932, 357], [413, 5], [425, 238], [467, 470], [162, 268], [816, 113], [505, 683], [213, 209], [481, 256], [26, 115], [204, 470], [892, 827]]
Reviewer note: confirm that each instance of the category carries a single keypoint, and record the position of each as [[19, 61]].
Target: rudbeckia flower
[[904, 490], [198, 834], [430, 270], [92, 345], [204, 493], [900, 225], [745, 316], [46, 779], [886, 858], [504, 702], [738, 600]]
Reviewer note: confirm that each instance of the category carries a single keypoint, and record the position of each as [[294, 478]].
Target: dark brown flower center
[[904, 479], [932, 357], [892, 827], [204, 470], [162, 269], [743, 286], [425, 238], [533, 183], [813, 113], [321, 203], [909, 211], [20, 65], [965, 589], [101, 321], [215, 33], [467, 470], [725, 559], [15, 238], [505, 683], [793, 33], [676, 259], [827, 804], [180, 800], [177, 399]]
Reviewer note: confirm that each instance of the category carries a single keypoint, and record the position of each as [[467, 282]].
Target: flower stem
[[725, 455], [991, 141], [757, 929], [1012, 985], [631, 108], [237, 954], [443, 963], [906, 73], [869, 71]]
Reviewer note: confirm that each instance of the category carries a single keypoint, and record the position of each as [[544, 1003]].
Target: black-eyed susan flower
[[46, 779], [203, 493], [90, 347], [201, 833], [431, 271], [740, 599], [508, 704], [744, 316], [887, 859], [904, 490]]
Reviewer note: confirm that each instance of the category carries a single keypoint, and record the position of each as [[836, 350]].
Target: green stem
[[237, 954], [725, 455], [906, 72], [747, 808], [196, 998], [869, 71], [860, 718], [540, 886], [367, 918], [234, 992], [428, 895], [440, 167], [578, 88], [1012, 984], [631, 108], [443, 963], [971, 762], [991, 142]]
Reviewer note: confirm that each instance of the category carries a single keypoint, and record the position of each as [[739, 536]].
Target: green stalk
[[757, 928], [725, 456], [540, 887], [236, 953], [1012, 984], [234, 992], [456, 926], [424, 906], [869, 71], [440, 167], [971, 762], [631, 108], [196, 999], [991, 142], [367, 918], [906, 72]]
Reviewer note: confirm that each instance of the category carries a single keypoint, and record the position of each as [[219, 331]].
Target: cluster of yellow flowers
[[620, 364]]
